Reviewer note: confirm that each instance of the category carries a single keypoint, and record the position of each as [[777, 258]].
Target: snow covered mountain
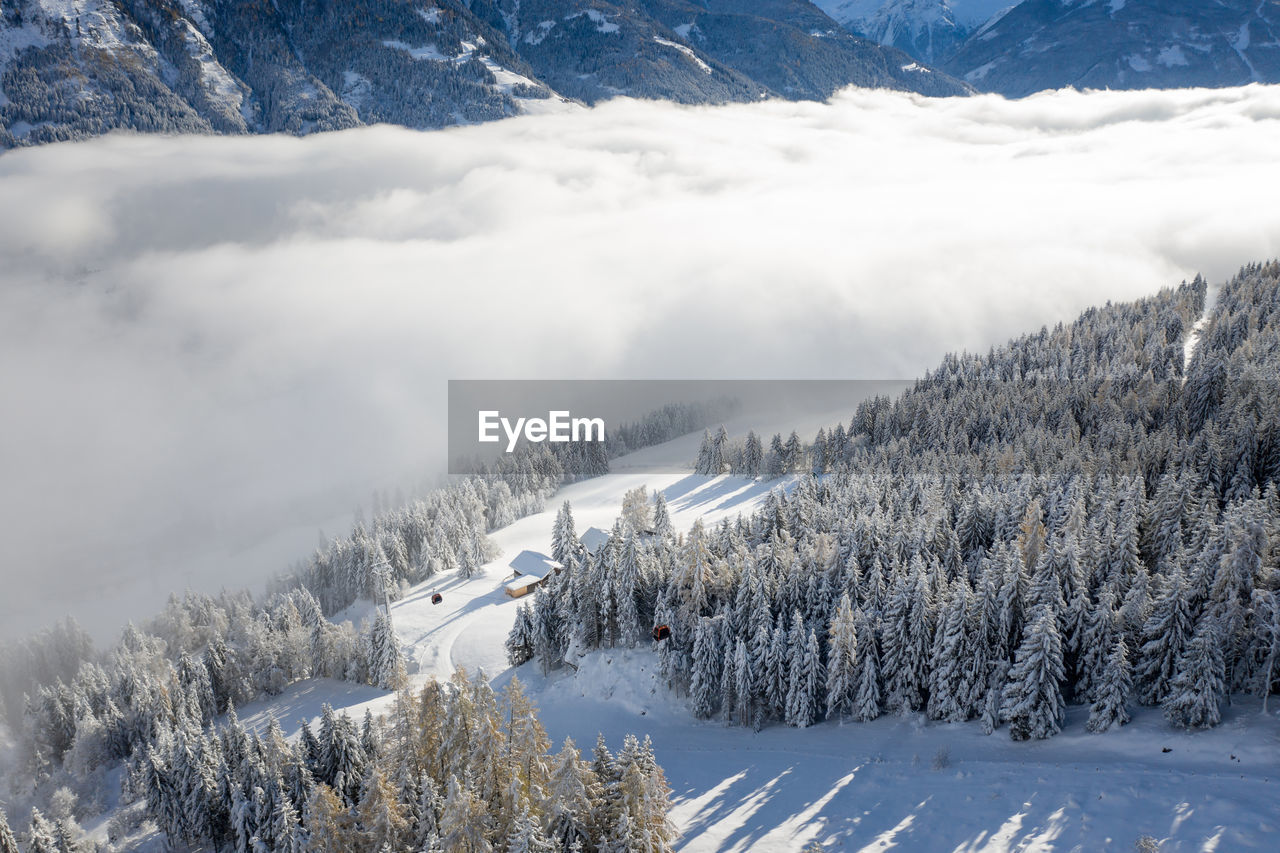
[[699, 50], [1023, 47], [75, 68], [1124, 44], [930, 30]]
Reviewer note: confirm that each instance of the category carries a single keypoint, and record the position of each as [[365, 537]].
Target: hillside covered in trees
[[1084, 515], [452, 767], [1088, 514], [162, 703]]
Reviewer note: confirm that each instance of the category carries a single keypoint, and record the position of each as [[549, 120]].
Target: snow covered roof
[[533, 563], [523, 581], [592, 538]]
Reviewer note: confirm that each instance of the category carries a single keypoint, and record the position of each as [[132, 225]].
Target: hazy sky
[[211, 347]]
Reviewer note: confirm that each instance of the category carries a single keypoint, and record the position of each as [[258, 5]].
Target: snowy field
[[897, 783], [905, 784]]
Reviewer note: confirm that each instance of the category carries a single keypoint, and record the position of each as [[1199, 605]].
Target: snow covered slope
[[468, 628], [903, 784], [930, 30], [896, 783], [1124, 44], [1017, 47]]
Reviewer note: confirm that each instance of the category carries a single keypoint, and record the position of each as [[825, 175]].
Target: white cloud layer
[[209, 346]]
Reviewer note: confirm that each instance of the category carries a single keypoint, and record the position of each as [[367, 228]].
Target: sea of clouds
[[210, 347]]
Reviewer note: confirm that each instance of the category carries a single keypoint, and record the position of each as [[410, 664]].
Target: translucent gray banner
[[490, 419]]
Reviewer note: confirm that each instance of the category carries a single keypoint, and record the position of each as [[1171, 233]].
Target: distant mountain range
[[1123, 44], [75, 68], [929, 30], [1020, 48]]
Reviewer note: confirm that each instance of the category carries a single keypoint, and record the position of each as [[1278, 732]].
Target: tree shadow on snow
[[303, 700], [705, 494], [684, 486], [865, 805]]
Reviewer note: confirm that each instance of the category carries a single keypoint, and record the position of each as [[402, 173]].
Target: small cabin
[[593, 538], [522, 585], [528, 570]]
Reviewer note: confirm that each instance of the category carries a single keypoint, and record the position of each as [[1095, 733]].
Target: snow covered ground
[[896, 783], [905, 784]]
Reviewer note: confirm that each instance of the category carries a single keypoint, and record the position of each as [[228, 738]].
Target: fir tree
[[570, 794], [526, 835], [793, 453], [627, 582], [803, 694], [426, 827], [752, 456], [744, 685], [1266, 606], [8, 844], [1103, 627], [41, 837], [521, 641], [1165, 635], [1032, 700], [908, 637], [564, 538], [729, 699], [867, 701], [462, 820], [708, 463], [547, 625], [949, 675], [1193, 697], [662, 527], [285, 829], [1109, 708], [777, 671], [386, 661], [344, 756], [707, 659], [842, 661]]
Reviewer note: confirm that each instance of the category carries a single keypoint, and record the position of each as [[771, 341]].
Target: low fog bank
[[211, 347]]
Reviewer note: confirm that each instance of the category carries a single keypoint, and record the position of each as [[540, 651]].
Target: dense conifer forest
[[1082, 516]]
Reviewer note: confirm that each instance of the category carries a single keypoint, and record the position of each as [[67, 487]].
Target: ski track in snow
[[871, 786], [1193, 336]]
